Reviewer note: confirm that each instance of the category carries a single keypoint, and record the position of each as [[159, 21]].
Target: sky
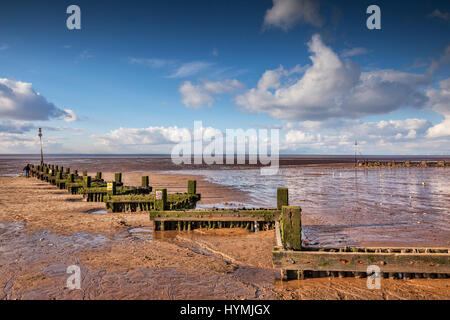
[[138, 74]]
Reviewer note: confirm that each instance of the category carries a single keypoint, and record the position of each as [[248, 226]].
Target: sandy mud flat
[[43, 230]]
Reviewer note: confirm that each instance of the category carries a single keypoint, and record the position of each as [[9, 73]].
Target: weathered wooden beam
[[359, 261], [145, 181], [291, 228], [192, 186], [282, 197], [111, 188], [87, 181], [160, 199]]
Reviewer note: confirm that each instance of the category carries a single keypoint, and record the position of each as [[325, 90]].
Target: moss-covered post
[[75, 172], [118, 177], [71, 178], [282, 197], [67, 170], [87, 181], [160, 199], [111, 188], [98, 176], [84, 173], [192, 186], [61, 169], [291, 228], [145, 181], [59, 175]]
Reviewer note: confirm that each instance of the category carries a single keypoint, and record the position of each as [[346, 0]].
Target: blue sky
[[138, 73]]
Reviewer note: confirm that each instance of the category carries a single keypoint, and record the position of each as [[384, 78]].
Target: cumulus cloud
[[440, 102], [18, 101], [201, 95], [400, 134], [286, 13], [333, 87], [143, 136], [151, 139]]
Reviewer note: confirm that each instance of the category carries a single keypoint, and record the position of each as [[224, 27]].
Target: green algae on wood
[[282, 197], [291, 228]]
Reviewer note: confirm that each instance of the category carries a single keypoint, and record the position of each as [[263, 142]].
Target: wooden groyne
[[298, 262], [251, 219], [401, 164], [117, 196], [93, 189]]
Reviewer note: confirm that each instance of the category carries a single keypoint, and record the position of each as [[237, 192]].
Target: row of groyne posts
[[295, 261], [401, 164]]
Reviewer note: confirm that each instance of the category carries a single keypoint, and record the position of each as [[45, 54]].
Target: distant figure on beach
[[27, 171]]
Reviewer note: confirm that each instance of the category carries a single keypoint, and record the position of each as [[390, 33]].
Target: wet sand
[[43, 230]]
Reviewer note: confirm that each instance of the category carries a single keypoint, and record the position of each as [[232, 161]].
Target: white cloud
[[201, 95], [18, 101], [440, 130], [333, 87], [440, 98], [3, 47], [143, 136], [151, 139], [29, 144], [440, 102], [354, 52], [386, 136], [70, 116], [189, 69], [287, 13]]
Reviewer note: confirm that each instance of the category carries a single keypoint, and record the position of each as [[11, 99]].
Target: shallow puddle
[[96, 211], [144, 233]]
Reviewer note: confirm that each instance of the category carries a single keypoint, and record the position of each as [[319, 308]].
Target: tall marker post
[[40, 138]]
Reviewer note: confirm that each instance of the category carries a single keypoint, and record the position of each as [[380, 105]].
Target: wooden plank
[[359, 261], [215, 219], [278, 234]]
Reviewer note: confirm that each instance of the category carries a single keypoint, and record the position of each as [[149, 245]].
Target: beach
[[43, 230]]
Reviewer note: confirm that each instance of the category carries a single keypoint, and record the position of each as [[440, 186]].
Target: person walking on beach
[[27, 171]]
